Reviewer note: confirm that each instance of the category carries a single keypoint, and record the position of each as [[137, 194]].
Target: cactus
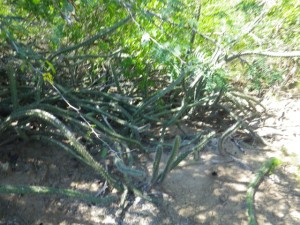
[[24, 189], [171, 158], [120, 165], [13, 86], [266, 168], [156, 164], [80, 149]]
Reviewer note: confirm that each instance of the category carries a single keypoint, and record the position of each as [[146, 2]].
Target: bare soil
[[211, 190]]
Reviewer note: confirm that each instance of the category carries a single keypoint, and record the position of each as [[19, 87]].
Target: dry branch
[[264, 53], [92, 39]]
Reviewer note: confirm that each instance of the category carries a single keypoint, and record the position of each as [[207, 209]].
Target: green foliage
[[102, 72], [250, 7], [261, 77]]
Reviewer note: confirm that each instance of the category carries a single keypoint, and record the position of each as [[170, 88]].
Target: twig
[[179, 25], [92, 39], [129, 9], [264, 53], [87, 57], [250, 27]]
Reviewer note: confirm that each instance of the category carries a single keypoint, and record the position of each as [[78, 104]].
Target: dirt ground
[[211, 190]]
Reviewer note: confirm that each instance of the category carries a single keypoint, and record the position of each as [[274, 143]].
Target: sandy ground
[[211, 190]]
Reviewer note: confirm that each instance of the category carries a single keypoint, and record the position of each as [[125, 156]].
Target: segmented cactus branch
[[39, 190], [156, 163], [266, 168], [171, 159], [80, 149], [226, 134]]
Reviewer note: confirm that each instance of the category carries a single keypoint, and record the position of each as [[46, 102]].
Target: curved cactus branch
[[68, 134], [266, 168], [26, 189]]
